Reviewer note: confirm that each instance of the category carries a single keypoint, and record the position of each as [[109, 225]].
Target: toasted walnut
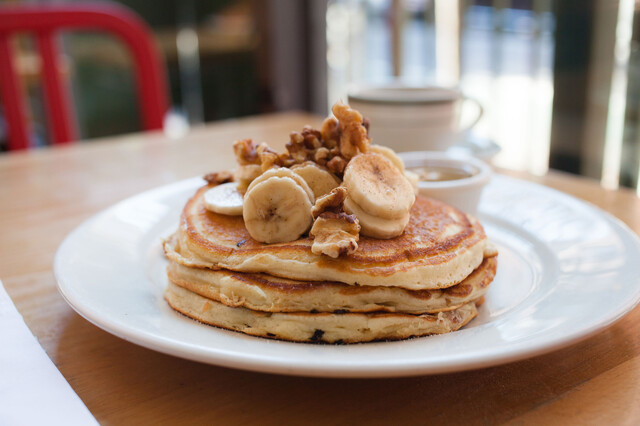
[[309, 145], [344, 136], [286, 160], [296, 148], [216, 178], [335, 234], [296, 138], [311, 137], [337, 165], [353, 134], [321, 156], [330, 132], [268, 157], [246, 153], [332, 202]]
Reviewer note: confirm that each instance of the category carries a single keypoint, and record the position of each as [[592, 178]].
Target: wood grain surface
[[47, 193]]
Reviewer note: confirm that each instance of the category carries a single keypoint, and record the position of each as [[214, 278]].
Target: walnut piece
[[335, 234], [268, 157], [353, 133], [330, 132], [313, 145], [302, 146], [337, 165], [296, 147], [245, 151], [311, 137], [321, 156], [339, 139], [216, 178], [331, 202]]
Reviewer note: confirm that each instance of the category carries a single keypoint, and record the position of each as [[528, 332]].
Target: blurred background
[[557, 78]]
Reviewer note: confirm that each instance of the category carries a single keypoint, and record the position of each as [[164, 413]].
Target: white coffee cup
[[410, 118]]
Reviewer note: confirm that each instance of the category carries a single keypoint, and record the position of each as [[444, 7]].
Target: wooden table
[[47, 193]]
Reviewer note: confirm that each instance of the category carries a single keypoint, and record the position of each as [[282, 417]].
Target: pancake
[[439, 248], [317, 327], [267, 293]]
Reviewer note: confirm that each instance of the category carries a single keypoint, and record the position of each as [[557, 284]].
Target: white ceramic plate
[[565, 271]]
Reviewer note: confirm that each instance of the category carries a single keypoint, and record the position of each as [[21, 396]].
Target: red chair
[[45, 21]]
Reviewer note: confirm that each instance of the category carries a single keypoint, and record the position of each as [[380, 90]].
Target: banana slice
[[414, 180], [389, 154], [376, 227], [320, 180], [284, 172], [277, 210], [224, 199], [378, 187], [244, 175]]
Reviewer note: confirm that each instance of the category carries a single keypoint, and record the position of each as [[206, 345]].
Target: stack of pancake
[[428, 280]]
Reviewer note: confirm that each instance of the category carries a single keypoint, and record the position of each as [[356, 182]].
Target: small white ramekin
[[463, 193]]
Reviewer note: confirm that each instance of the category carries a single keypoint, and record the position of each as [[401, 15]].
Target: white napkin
[[32, 390]]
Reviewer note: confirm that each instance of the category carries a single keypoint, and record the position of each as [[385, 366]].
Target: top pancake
[[439, 248]]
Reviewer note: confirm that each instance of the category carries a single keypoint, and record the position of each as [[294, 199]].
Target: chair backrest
[[45, 22]]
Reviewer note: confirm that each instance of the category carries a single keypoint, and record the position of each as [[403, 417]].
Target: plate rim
[[346, 370]]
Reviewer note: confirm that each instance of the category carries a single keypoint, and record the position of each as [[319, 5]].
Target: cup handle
[[478, 116]]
